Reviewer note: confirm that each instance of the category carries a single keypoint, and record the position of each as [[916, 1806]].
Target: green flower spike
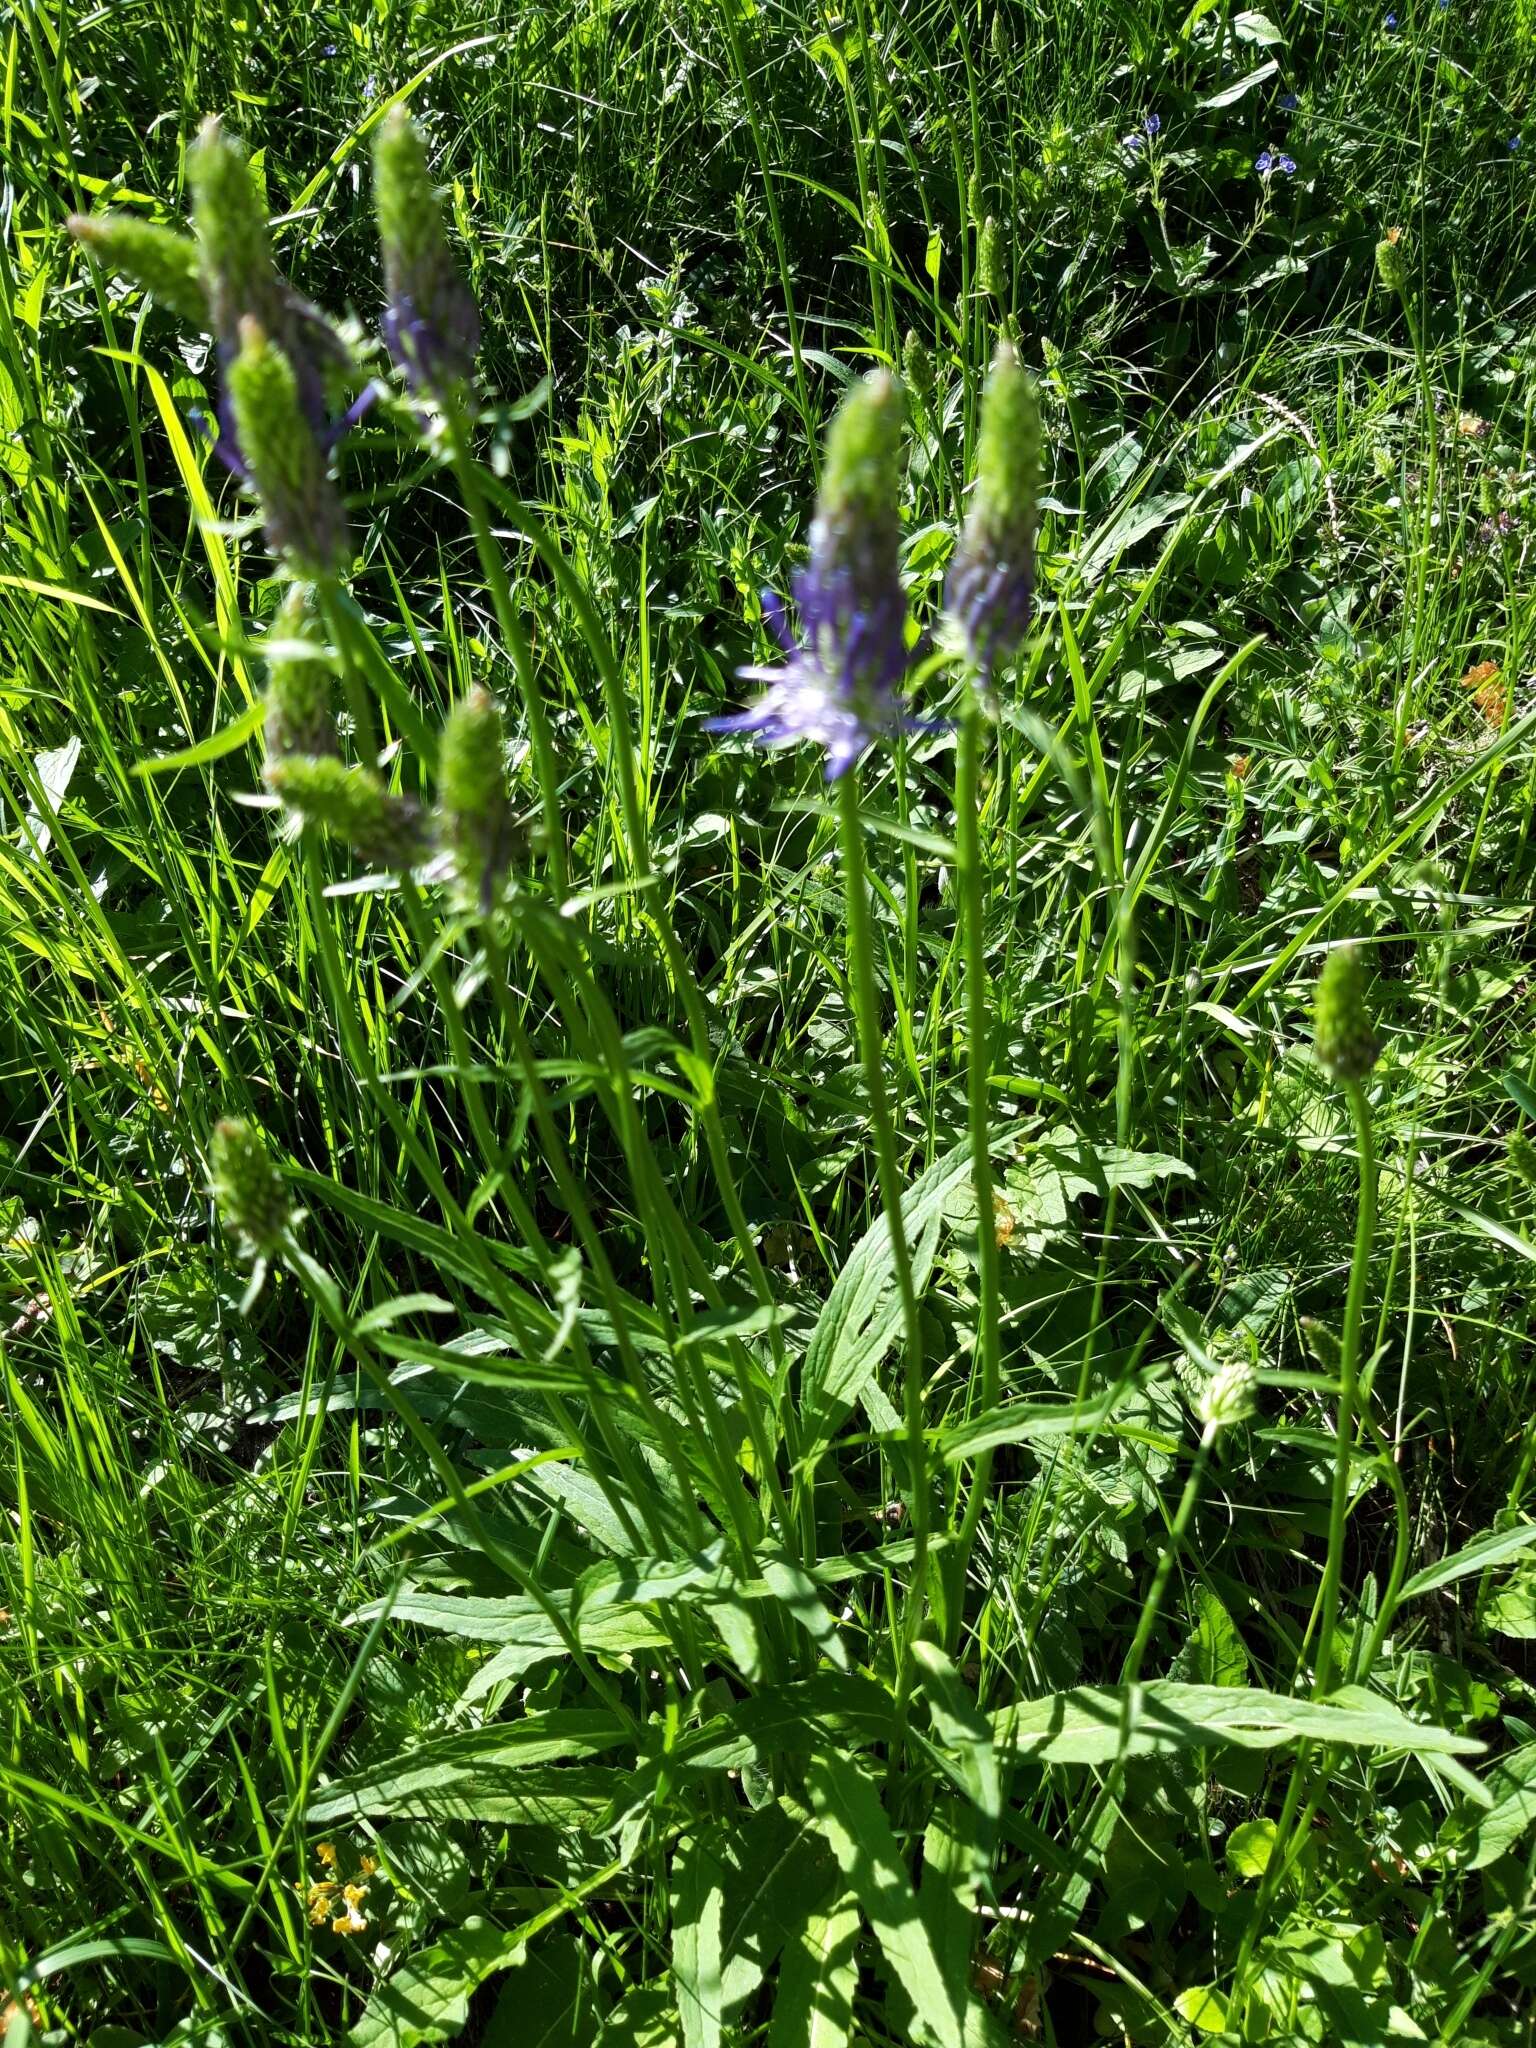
[[917, 368], [1229, 1396], [989, 259], [235, 251], [303, 514], [1347, 1045], [161, 262], [351, 801], [476, 811], [990, 588], [250, 1192], [301, 708]]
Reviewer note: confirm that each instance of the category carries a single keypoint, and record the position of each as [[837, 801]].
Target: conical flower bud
[[385, 831], [303, 514], [990, 276], [161, 262], [301, 708], [431, 324], [990, 588], [239, 276], [1390, 267], [917, 368], [472, 783], [1347, 1045], [1229, 1396], [250, 1192]]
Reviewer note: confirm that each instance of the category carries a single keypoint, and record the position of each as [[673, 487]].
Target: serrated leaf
[[848, 1810], [816, 1982], [698, 1894], [427, 1999]]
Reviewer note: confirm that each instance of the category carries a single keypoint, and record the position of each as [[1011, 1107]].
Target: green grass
[[547, 1532]]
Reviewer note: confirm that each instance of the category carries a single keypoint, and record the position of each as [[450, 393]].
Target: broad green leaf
[[512, 1770], [1241, 87], [1472, 1557], [1204, 2007], [549, 2003], [1250, 1847], [961, 1726], [527, 1632], [698, 1894], [816, 1982], [1098, 1724], [227, 740], [848, 1809], [778, 1866], [1512, 1783], [427, 1999], [798, 1593], [862, 1315]]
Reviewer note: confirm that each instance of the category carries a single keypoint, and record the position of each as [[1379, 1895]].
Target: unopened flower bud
[[1347, 1045], [853, 586], [301, 709], [472, 783], [250, 1192], [1390, 267], [975, 197], [431, 324], [1229, 1396], [1522, 1157], [234, 249], [304, 519], [990, 588], [989, 260], [161, 262], [350, 801], [917, 368]]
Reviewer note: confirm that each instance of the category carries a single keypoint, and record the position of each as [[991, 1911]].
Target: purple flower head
[[1514, 142], [1264, 162], [1289, 102], [1390, 23], [1134, 144], [1286, 164], [990, 589], [1153, 123], [837, 687]]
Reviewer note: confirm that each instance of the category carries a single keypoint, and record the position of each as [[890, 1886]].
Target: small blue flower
[[1153, 123], [329, 50], [1286, 164], [1514, 142], [1264, 162], [1289, 103], [1390, 23], [1134, 144]]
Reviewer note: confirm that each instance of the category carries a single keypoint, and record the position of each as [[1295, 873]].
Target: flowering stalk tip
[[349, 800], [431, 324], [989, 592], [251, 1194], [301, 709], [838, 686], [282, 456], [1346, 1040], [477, 815], [159, 260]]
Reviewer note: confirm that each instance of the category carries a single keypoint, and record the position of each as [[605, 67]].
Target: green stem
[[978, 1069], [866, 1005], [1349, 1377]]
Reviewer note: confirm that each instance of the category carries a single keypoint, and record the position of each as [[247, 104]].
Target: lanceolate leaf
[[816, 1983], [698, 1891], [847, 1807]]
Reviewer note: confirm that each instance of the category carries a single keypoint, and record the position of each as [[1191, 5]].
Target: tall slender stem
[[978, 1073], [866, 1004]]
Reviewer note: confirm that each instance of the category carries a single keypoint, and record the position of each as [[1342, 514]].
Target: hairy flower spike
[[990, 588], [239, 276], [1347, 1045], [1229, 1396], [989, 259], [918, 370], [1522, 1157], [301, 708], [157, 259], [1390, 267], [385, 831], [250, 1192], [838, 686], [431, 324], [304, 518], [476, 811]]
